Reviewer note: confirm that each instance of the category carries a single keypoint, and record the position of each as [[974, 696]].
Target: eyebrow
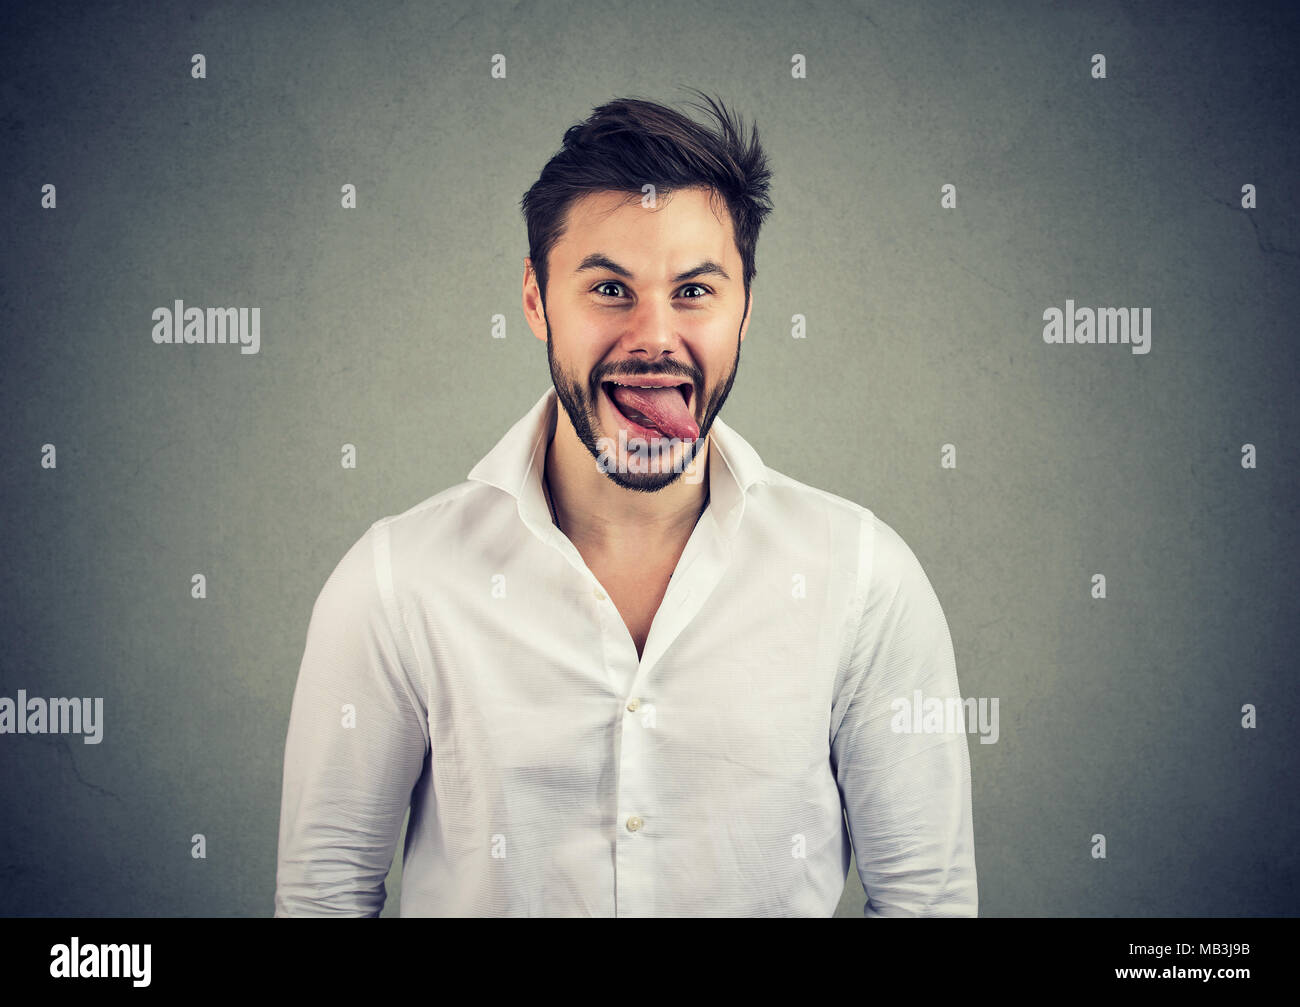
[[597, 260]]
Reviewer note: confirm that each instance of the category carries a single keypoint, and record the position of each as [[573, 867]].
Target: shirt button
[[634, 823], [600, 595], [631, 706]]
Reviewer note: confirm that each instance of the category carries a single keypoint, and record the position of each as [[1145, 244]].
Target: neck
[[598, 514]]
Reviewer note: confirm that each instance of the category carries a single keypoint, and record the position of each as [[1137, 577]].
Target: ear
[[534, 310], [749, 314]]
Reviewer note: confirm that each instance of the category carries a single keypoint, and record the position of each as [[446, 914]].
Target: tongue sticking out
[[665, 408]]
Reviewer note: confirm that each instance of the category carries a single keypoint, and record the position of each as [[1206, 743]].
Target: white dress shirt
[[463, 659]]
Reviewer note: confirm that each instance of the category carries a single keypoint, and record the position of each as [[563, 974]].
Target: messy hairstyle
[[629, 142]]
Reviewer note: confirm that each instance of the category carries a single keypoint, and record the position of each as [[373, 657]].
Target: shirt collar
[[515, 465]]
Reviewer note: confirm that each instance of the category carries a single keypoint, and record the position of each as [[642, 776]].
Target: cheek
[[594, 337], [580, 344], [722, 357]]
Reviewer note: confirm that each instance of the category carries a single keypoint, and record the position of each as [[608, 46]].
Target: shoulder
[[807, 509], [414, 538], [437, 517], [798, 511], [886, 563]]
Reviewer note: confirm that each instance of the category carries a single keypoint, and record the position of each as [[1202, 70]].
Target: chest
[[637, 592]]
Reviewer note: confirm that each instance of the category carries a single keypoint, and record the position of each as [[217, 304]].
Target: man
[[627, 669]]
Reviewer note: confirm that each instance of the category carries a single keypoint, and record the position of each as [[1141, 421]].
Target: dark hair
[[628, 142]]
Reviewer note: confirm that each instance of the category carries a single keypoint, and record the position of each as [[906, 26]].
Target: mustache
[[683, 374]]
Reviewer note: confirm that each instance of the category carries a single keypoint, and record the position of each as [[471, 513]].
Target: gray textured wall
[[1119, 716]]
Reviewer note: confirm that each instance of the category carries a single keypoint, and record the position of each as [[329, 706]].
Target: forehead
[[690, 223]]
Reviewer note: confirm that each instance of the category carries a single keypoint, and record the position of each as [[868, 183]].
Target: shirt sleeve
[[907, 794], [356, 744]]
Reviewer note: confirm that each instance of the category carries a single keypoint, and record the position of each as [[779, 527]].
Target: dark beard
[[580, 405]]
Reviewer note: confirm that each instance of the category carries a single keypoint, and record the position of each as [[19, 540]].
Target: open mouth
[[653, 410]]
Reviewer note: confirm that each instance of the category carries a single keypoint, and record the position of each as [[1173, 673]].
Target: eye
[[607, 283], [614, 283]]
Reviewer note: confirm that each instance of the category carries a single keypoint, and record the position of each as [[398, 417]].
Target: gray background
[[1119, 716]]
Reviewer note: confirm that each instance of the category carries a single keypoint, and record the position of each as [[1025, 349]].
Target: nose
[[651, 331]]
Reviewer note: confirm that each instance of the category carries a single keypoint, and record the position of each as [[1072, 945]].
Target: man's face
[[638, 295]]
